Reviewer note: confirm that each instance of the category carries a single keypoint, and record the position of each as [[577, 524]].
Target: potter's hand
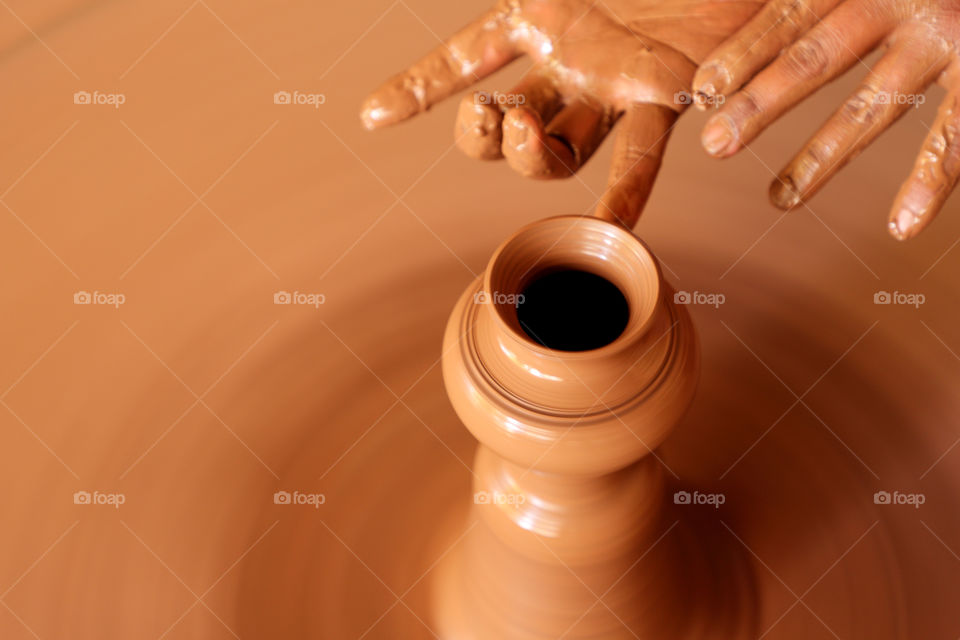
[[592, 63], [820, 40]]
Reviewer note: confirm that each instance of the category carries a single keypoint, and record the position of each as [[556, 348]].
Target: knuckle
[[951, 134], [948, 146], [415, 84], [865, 106], [792, 13], [635, 153], [451, 61], [748, 106], [808, 57], [721, 69], [939, 159], [808, 168], [818, 155]]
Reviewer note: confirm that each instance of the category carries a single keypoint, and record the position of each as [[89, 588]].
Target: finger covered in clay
[[468, 56]]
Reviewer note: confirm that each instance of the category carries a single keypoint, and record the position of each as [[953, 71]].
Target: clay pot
[[586, 412], [567, 499]]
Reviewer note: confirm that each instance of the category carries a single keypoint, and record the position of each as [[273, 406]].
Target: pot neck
[[582, 382]]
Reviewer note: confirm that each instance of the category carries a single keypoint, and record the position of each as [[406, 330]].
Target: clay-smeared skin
[[792, 47], [593, 63]]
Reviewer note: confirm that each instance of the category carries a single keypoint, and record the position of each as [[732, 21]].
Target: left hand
[[822, 39]]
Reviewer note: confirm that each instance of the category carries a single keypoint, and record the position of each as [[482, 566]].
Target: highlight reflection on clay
[[593, 63], [791, 48]]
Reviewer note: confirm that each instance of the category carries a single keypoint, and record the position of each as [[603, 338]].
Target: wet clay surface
[[198, 398]]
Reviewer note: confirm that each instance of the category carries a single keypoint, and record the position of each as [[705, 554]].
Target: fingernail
[[389, 104], [704, 97], [784, 193], [709, 81], [376, 112], [718, 136], [371, 114], [901, 225]]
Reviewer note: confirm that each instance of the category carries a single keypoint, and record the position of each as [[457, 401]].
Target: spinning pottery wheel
[[799, 547], [199, 400]]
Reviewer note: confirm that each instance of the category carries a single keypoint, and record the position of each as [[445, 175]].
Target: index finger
[[637, 154], [472, 53]]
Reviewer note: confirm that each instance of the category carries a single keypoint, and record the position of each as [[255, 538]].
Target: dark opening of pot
[[572, 310]]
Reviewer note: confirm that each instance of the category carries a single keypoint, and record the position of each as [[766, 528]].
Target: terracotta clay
[[613, 404], [568, 487]]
